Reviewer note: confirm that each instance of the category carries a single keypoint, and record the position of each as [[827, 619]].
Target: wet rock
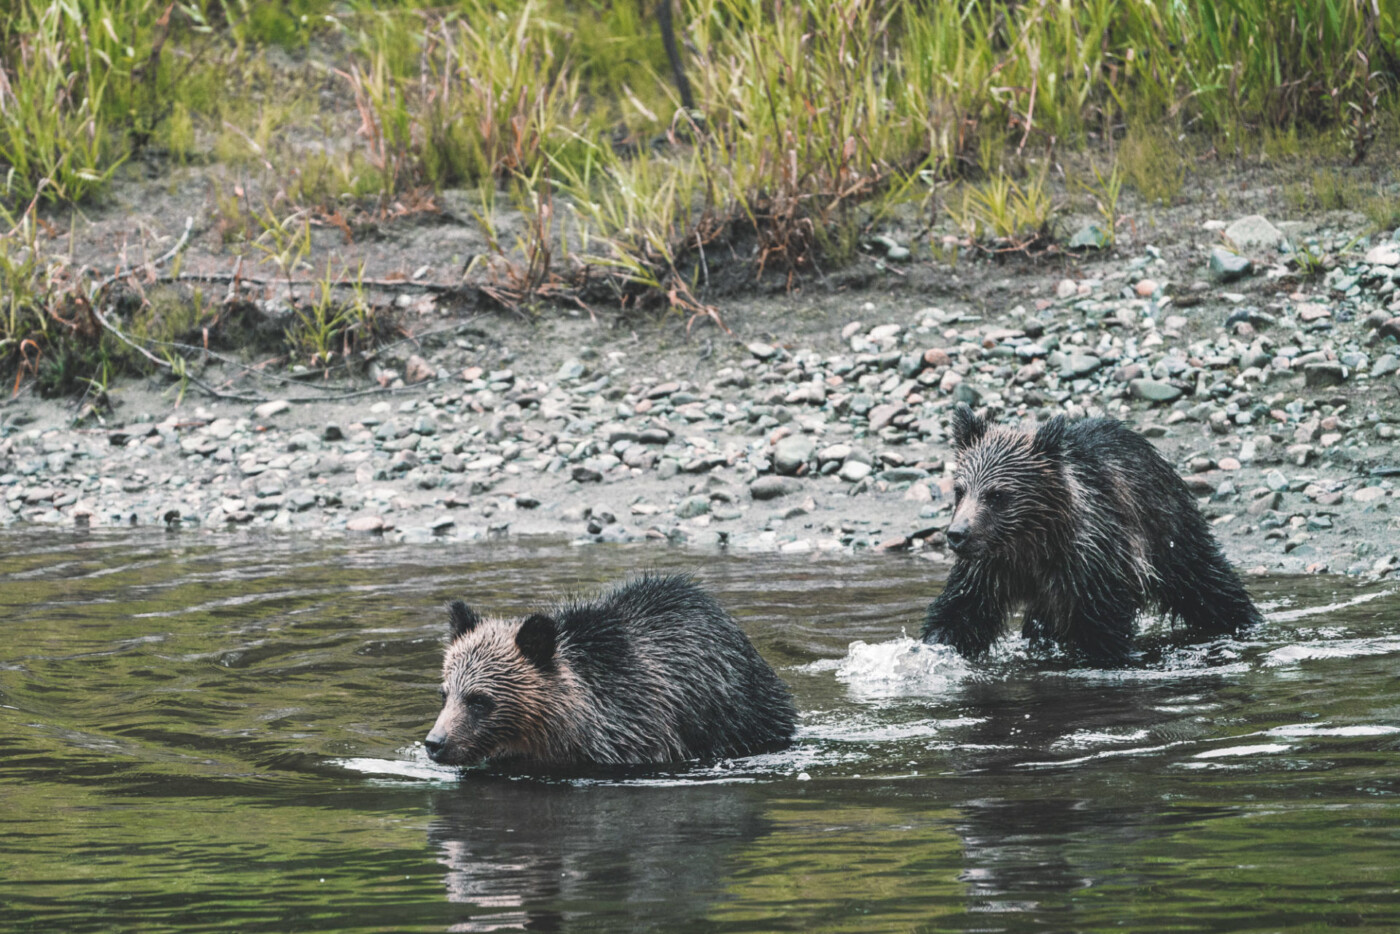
[[366, 524]]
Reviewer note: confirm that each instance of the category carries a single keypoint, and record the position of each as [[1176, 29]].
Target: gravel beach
[[818, 423]]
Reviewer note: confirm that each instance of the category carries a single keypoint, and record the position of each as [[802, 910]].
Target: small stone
[[570, 370], [1265, 503], [935, 357], [1387, 364], [1090, 237], [763, 351], [1308, 312], [1276, 481], [1080, 364], [1387, 254], [1229, 463], [269, 409], [1146, 288], [882, 415], [773, 487], [1368, 494], [366, 524], [1322, 375], [693, 506], [1228, 267], [582, 474], [853, 471], [417, 370], [1066, 289], [792, 453], [1154, 390]]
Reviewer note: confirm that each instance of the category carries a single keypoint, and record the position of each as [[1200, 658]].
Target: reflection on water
[[216, 732]]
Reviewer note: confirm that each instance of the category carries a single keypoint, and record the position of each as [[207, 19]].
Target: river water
[[211, 732]]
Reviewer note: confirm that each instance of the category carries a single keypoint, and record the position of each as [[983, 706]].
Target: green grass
[[814, 120]]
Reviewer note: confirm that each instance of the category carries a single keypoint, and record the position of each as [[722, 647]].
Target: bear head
[[1009, 492], [498, 677]]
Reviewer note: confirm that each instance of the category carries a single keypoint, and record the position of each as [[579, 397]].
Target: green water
[[211, 732]]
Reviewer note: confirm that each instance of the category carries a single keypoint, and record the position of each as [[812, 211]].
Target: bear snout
[[959, 536], [436, 743]]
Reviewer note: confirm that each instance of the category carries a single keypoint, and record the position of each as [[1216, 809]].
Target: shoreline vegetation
[[559, 133]]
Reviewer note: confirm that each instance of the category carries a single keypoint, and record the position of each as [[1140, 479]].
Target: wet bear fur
[[1081, 524], [652, 671]]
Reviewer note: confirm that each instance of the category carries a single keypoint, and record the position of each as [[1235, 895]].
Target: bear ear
[[536, 639], [1050, 436], [461, 619], [968, 429]]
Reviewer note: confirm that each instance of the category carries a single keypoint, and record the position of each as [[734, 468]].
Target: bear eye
[[992, 496], [959, 491], [480, 705], [442, 693]]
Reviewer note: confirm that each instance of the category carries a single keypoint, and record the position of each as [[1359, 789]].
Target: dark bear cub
[[652, 671], [1082, 524]]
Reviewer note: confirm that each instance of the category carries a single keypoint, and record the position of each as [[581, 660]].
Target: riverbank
[[816, 423]]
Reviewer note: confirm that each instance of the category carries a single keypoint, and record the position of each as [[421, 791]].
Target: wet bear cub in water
[[652, 671], [1082, 524]]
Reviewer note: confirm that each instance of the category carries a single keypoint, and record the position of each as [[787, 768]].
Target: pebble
[[1229, 267], [269, 409]]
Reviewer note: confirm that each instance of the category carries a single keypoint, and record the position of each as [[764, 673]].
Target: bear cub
[[1082, 524], [652, 671]]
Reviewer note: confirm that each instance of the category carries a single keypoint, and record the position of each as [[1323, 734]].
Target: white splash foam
[[1285, 616], [1310, 729], [1342, 648], [900, 667], [848, 729], [1259, 749], [415, 765], [1088, 739]]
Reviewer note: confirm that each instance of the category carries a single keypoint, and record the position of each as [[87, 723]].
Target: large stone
[[417, 370], [1323, 375], [1080, 364], [693, 506], [1387, 254], [1227, 267], [853, 471], [269, 409], [792, 453], [1090, 237], [773, 487], [1154, 390], [882, 415], [1254, 233]]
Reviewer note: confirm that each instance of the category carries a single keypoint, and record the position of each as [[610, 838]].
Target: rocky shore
[[1275, 395]]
